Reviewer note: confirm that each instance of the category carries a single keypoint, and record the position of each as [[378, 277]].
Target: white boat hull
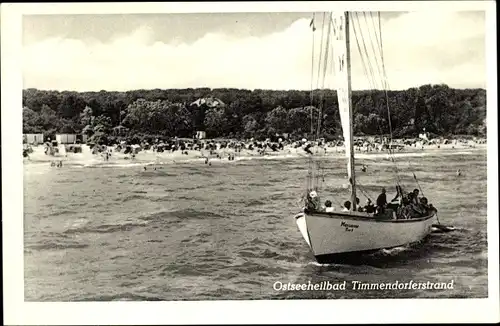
[[333, 236]]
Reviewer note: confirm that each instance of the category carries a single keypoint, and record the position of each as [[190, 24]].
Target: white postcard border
[[16, 311]]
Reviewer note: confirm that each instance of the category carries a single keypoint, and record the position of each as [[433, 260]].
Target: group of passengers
[[402, 206], [413, 206]]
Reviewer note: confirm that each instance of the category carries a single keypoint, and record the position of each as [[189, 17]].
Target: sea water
[[99, 231]]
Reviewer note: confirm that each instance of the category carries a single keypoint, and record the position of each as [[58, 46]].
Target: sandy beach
[[225, 155]]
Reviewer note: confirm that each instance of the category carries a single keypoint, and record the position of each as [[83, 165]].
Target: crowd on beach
[[129, 149]]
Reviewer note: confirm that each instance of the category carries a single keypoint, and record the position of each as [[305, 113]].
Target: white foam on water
[[315, 263], [402, 155], [393, 251], [268, 157]]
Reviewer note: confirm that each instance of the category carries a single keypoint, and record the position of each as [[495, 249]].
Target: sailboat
[[340, 236]]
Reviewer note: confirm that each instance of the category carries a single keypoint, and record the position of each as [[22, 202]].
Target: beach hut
[[201, 135], [424, 135], [70, 138], [66, 138], [32, 139]]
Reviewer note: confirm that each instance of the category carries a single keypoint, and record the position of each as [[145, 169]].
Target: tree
[[71, 105], [214, 121], [102, 124], [31, 121], [250, 126], [86, 116], [68, 126], [138, 114], [48, 118], [301, 120], [361, 124], [277, 119], [437, 108], [232, 119], [88, 130]]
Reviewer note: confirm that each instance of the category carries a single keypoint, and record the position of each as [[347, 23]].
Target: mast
[[349, 99]]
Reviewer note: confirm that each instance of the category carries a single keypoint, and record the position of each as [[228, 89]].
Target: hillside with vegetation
[[238, 113]]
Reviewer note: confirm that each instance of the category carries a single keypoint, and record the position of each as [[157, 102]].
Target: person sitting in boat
[[395, 203], [429, 208], [312, 203], [415, 199], [423, 205], [409, 197], [403, 210], [381, 202], [369, 207], [415, 210], [328, 206], [358, 206], [409, 212], [347, 206]]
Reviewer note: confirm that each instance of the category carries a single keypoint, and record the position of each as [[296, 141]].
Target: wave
[[393, 251], [251, 203], [130, 198], [386, 156], [181, 214], [54, 245], [315, 263], [105, 228], [63, 212], [120, 297]]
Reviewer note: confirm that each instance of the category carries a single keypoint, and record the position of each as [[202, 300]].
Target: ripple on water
[[105, 228]]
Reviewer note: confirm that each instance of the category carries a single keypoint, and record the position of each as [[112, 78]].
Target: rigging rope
[[312, 63], [375, 29], [325, 66], [377, 65], [321, 79], [319, 70], [370, 68], [383, 82], [369, 71], [386, 84], [363, 191], [309, 180], [365, 68]]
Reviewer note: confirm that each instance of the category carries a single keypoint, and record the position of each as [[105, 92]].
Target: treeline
[[439, 109]]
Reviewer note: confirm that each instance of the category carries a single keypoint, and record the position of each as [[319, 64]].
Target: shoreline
[[148, 157]]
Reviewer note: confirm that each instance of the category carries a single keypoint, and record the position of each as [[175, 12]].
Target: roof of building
[[208, 101]]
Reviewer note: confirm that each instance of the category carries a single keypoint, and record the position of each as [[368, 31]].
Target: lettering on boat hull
[[349, 227]]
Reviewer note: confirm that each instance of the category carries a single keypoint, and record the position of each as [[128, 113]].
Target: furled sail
[[340, 40]]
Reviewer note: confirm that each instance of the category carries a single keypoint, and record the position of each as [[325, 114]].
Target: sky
[[243, 50]]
